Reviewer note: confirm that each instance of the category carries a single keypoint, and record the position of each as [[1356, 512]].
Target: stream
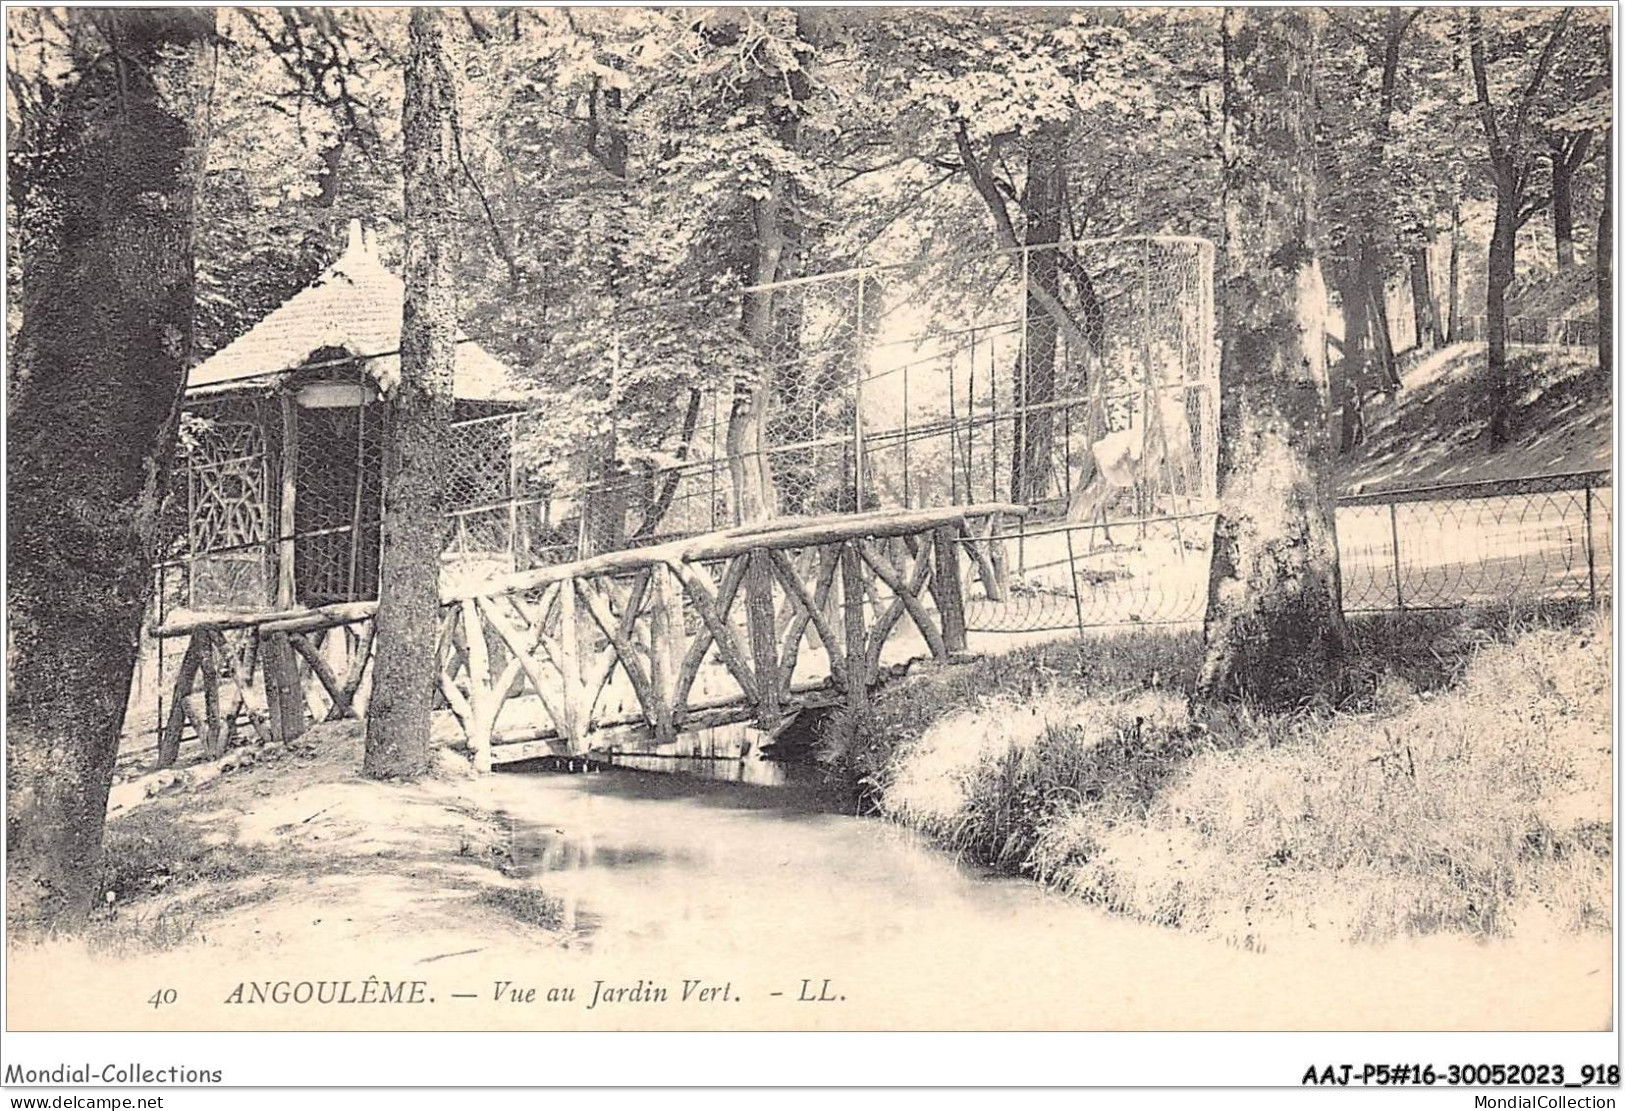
[[782, 890]]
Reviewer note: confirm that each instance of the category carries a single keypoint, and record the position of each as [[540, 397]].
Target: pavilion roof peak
[[355, 306], [361, 243]]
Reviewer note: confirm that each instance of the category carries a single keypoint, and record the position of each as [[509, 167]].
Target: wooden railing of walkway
[[696, 632]]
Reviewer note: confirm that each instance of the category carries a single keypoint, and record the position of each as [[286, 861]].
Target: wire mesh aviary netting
[[1076, 376], [1079, 379]]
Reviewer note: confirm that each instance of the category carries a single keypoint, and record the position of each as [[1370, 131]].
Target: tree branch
[[662, 503], [1542, 68], [982, 179], [481, 35], [1481, 87], [909, 205], [1094, 313], [515, 272], [855, 172]]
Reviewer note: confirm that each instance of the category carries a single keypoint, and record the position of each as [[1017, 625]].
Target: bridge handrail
[[776, 533]]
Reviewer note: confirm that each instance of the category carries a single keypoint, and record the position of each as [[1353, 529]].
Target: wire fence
[[1420, 548], [1078, 370], [1533, 331], [881, 388]]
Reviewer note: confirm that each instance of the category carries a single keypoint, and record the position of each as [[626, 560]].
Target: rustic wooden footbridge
[[624, 651]]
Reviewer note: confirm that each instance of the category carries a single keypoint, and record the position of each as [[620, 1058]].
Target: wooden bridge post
[[214, 739], [284, 694], [946, 589], [764, 639], [857, 655], [169, 741], [570, 665], [241, 672], [995, 555], [665, 650], [482, 700]]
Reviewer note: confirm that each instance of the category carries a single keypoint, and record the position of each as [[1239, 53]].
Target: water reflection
[[752, 770]]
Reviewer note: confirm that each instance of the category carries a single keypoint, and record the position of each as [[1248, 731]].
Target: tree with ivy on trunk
[[775, 97], [406, 667], [1274, 625], [106, 204]]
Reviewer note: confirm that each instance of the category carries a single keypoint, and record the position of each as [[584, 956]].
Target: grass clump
[[530, 905], [151, 851], [157, 879], [1453, 778], [864, 746], [124, 933]]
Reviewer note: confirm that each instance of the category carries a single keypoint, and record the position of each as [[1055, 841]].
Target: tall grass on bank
[[1454, 777]]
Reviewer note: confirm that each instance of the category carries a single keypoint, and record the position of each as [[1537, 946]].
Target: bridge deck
[[626, 649]]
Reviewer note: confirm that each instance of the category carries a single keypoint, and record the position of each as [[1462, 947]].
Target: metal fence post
[[857, 407], [158, 650], [1066, 453], [907, 499], [993, 386], [513, 492], [191, 535], [715, 419], [1021, 450], [1591, 547], [970, 425], [1072, 573], [1393, 525]]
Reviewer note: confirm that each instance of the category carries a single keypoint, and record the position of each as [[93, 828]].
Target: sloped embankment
[[1436, 429], [1462, 785]]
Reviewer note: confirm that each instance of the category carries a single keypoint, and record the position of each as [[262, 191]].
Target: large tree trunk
[[1605, 260], [1032, 457], [749, 466], [1563, 213], [1274, 628], [1350, 378], [1508, 167], [406, 667], [1566, 159], [1502, 267], [1453, 297], [773, 227], [606, 488], [1374, 236], [1383, 355], [95, 402], [1423, 308]]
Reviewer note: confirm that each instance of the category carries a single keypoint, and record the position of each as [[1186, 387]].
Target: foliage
[[611, 158]]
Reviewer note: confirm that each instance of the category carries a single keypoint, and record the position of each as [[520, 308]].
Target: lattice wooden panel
[[228, 488]]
